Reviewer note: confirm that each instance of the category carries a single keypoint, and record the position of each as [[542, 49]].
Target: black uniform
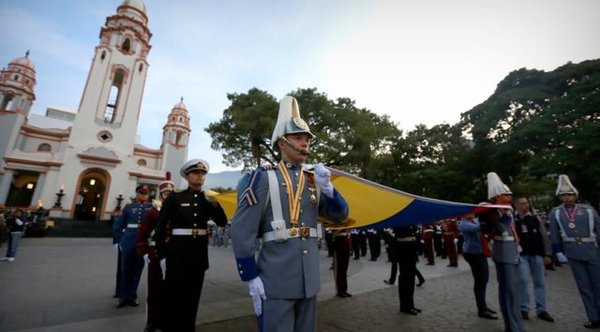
[[406, 253], [186, 254]]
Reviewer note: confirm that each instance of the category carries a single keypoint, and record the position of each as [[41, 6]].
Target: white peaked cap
[[565, 186], [289, 120], [495, 186]]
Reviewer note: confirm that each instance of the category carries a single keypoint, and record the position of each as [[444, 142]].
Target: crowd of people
[[276, 242]]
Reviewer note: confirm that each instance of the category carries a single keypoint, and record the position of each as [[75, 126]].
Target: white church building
[[86, 165]]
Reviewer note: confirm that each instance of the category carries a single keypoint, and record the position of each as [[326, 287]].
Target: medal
[[572, 225], [313, 197], [570, 217]]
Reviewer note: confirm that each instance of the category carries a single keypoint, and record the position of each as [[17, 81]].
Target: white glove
[[257, 293], [163, 267], [323, 179], [562, 258], [455, 240], [116, 246], [146, 259]]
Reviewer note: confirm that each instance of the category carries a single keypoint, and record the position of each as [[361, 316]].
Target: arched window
[[141, 67], [44, 147], [103, 55], [126, 45], [113, 99]]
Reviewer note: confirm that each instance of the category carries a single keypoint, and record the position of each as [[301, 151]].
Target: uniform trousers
[[374, 247], [184, 287], [156, 295], [428, 239], [587, 278], [341, 260], [132, 266], [509, 295], [481, 274], [407, 262], [281, 315], [532, 267], [450, 248]]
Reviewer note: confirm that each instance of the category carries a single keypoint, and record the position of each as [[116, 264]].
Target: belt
[[448, 233], [427, 230], [302, 232], [132, 225], [504, 238], [406, 239], [579, 240], [152, 243], [188, 231]]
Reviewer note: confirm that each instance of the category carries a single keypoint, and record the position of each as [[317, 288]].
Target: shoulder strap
[[562, 230], [274, 195]]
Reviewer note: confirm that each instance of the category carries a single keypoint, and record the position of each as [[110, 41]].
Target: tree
[[244, 132]]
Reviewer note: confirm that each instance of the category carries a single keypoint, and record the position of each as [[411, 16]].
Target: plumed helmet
[[289, 120], [167, 184], [495, 186], [565, 186]]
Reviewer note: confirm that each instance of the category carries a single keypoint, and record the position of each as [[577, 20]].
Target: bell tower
[[16, 97], [112, 97], [174, 145]]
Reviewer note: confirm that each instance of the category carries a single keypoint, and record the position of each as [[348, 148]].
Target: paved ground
[[60, 284]]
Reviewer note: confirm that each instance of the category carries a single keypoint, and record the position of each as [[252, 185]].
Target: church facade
[[86, 165]]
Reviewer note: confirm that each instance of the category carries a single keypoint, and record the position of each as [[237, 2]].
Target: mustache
[[303, 152]]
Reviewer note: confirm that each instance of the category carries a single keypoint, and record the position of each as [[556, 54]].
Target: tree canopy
[[535, 126]]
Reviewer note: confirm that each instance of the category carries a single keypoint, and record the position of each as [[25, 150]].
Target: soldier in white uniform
[[578, 225], [280, 207]]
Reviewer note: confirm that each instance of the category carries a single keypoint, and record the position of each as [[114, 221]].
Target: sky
[[418, 61]]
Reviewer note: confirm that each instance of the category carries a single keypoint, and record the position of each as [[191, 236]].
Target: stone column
[[38, 189], [5, 185]]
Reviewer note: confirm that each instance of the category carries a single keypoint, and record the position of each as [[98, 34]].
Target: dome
[[23, 61], [137, 4], [179, 106]]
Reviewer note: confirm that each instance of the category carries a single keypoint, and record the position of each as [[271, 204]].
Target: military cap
[[142, 189], [194, 164]]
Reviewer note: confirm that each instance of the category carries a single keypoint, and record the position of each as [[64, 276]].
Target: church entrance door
[[92, 190]]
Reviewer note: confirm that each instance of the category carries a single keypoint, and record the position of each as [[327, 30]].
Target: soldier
[[146, 247], [450, 231], [578, 225], [428, 243], [505, 252], [342, 247], [406, 253], [280, 206], [355, 236], [182, 245], [374, 243], [124, 231]]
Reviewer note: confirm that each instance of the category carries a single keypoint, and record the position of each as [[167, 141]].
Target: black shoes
[[412, 311], [343, 295], [124, 303], [389, 282], [544, 315], [525, 315], [487, 315], [592, 325], [452, 265], [491, 311]]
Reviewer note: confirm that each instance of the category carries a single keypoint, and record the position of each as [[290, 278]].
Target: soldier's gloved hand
[[562, 258], [146, 259], [323, 179], [257, 293], [163, 268]]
